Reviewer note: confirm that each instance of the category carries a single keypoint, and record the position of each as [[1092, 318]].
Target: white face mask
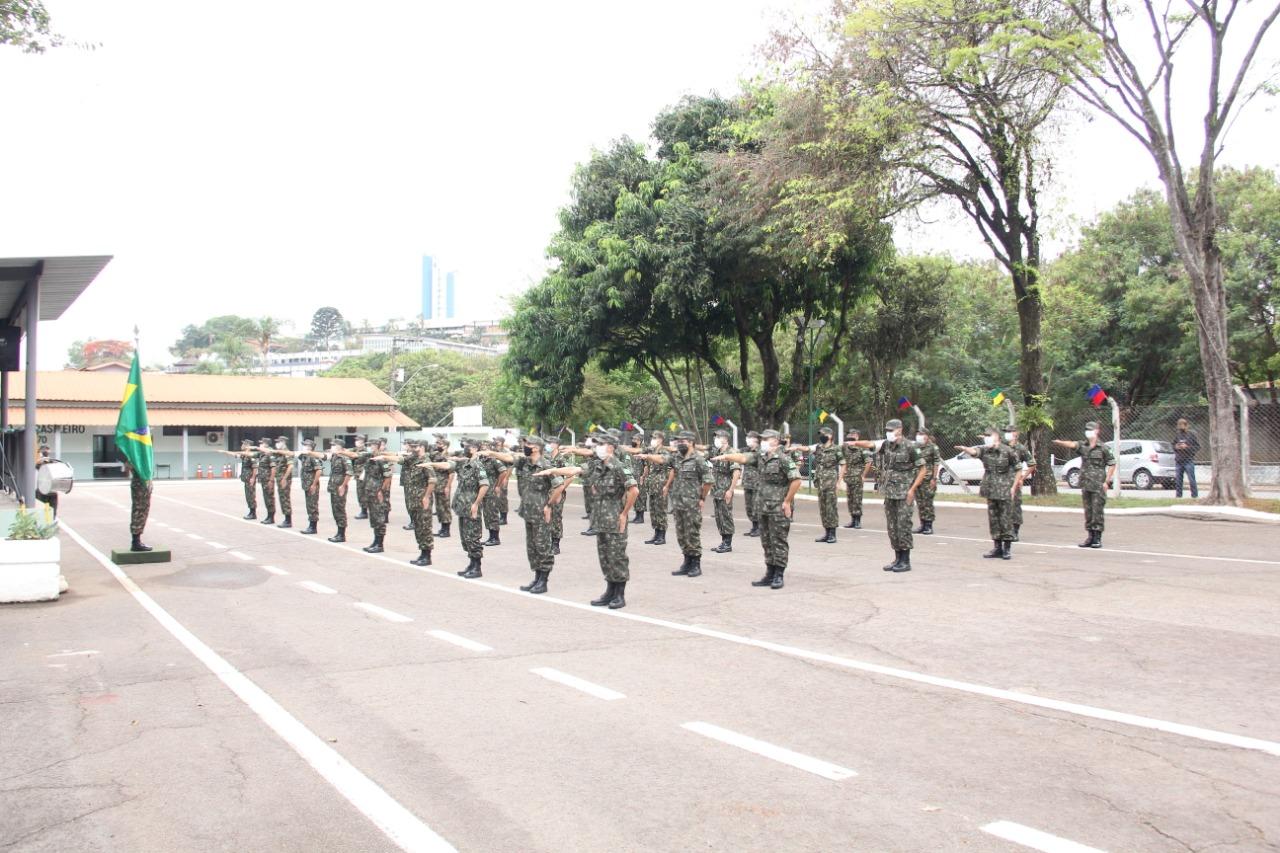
[[1008, 436], [753, 442], [601, 451], [1090, 434], [988, 441], [890, 435], [919, 438], [771, 445], [720, 442], [653, 442]]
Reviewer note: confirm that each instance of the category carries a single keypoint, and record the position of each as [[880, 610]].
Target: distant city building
[[438, 292]]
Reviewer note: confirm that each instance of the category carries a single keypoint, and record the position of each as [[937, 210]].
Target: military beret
[[827, 431], [607, 438], [686, 435], [1092, 425], [769, 433], [893, 424], [533, 440]]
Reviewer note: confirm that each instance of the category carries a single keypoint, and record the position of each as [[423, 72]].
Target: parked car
[[967, 468], [1142, 463]]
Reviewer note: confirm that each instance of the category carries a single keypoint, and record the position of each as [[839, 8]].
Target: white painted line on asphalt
[[577, 683], [389, 615], [460, 641], [1035, 839], [194, 536], [274, 570], [317, 587], [825, 769], [161, 524], [74, 654], [177, 530], [213, 544], [241, 555], [1152, 723], [393, 819]]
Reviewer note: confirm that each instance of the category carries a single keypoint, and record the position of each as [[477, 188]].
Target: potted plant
[[29, 560]]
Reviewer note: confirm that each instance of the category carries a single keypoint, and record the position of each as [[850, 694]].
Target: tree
[[1249, 238], [197, 340], [234, 353], [25, 24], [264, 329], [1132, 82], [962, 93], [326, 324], [85, 354]]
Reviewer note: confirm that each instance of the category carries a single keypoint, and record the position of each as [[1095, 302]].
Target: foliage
[[25, 24], [435, 383], [326, 324], [196, 340], [1250, 241], [26, 525], [83, 354]]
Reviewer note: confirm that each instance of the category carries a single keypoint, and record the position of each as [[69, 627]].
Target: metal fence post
[[735, 433], [1115, 432], [840, 427], [1245, 455]]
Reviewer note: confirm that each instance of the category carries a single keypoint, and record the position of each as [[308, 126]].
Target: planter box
[[29, 570]]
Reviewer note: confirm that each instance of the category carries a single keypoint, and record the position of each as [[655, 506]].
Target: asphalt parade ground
[[272, 691]]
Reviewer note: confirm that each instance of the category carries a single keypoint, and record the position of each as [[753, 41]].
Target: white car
[[1143, 462], [966, 467]]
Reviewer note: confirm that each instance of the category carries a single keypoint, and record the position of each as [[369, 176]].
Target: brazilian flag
[[133, 436]]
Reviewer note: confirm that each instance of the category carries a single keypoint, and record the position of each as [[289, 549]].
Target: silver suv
[[1142, 463]]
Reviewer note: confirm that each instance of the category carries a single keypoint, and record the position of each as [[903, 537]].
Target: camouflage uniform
[[692, 471], [357, 472], [284, 484], [339, 468], [408, 458], [492, 506], [469, 477], [419, 506], [501, 489], [267, 482], [557, 460], [588, 494], [777, 471], [538, 538], [932, 458], [309, 478], [247, 465], [1094, 464], [898, 461], [1024, 457], [855, 463], [750, 485], [522, 481], [441, 495], [656, 501], [1000, 469], [824, 470], [722, 473], [139, 504], [612, 482], [376, 499]]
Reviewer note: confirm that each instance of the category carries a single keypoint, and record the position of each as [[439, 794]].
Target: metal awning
[[157, 417], [62, 280]]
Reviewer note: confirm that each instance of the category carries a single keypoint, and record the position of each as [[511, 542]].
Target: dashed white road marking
[[445, 636], [274, 570], [68, 654], [825, 769], [317, 587], [177, 529], [395, 821], [241, 555], [578, 684], [194, 536], [389, 615], [1035, 839]]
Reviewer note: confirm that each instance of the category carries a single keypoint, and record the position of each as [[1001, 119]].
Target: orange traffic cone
[[199, 472]]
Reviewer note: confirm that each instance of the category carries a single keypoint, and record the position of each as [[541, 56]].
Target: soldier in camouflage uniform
[[377, 492], [726, 476], [751, 484], [1002, 474], [246, 456], [522, 473], [359, 456], [408, 473], [444, 481], [1097, 471], [496, 472], [779, 479], [266, 477], [309, 467], [824, 470], [472, 486], [688, 483], [932, 460], [588, 466], [284, 479], [856, 465], [551, 449], [530, 462], [901, 471], [1029, 462], [422, 488], [500, 491], [139, 508], [655, 497], [339, 482], [640, 469]]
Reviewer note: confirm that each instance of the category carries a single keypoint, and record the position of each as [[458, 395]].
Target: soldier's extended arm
[[740, 458], [1074, 445], [972, 451], [505, 458]]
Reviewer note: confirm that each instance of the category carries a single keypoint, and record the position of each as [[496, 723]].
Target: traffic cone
[[199, 472]]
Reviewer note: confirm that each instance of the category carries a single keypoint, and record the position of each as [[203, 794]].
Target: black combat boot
[[502, 518], [995, 553], [1006, 550], [1016, 529], [755, 529], [904, 561], [684, 567], [376, 547], [605, 597], [897, 561], [659, 537], [555, 547], [919, 529], [725, 546], [253, 513], [590, 531], [288, 521], [767, 580], [777, 577], [443, 532], [270, 519], [408, 526], [618, 600], [424, 559], [857, 521], [361, 515], [829, 537], [309, 529], [493, 538], [138, 546], [471, 564], [341, 535], [695, 566], [853, 522], [926, 529], [474, 570], [639, 519], [540, 583], [1097, 539], [1088, 539]]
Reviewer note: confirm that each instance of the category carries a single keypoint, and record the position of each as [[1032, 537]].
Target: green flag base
[[123, 556]]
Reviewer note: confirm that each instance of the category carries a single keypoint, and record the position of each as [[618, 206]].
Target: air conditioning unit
[[213, 438]]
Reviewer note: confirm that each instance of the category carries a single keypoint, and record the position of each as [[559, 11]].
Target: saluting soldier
[[901, 471], [309, 466], [359, 456], [586, 460], [779, 480], [932, 460], [750, 484], [1001, 479], [471, 485], [688, 483], [492, 506], [246, 455], [824, 468], [500, 493], [856, 465], [339, 482], [1097, 470], [641, 468], [284, 479], [266, 475], [422, 487], [1012, 438], [377, 491], [726, 474], [522, 474], [444, 483], [408, 473], [532, 461], [551, 449], [655, 498]]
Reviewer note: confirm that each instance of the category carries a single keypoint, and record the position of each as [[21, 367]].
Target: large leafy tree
[[25, 24], [326, 324]]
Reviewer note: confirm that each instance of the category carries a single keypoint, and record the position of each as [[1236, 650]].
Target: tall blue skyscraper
[[428, 288], [449, 311]]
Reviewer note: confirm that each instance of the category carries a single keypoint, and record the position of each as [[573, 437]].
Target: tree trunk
[[1031, 372]]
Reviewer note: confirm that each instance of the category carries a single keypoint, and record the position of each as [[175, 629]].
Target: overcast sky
[[272, 157]]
